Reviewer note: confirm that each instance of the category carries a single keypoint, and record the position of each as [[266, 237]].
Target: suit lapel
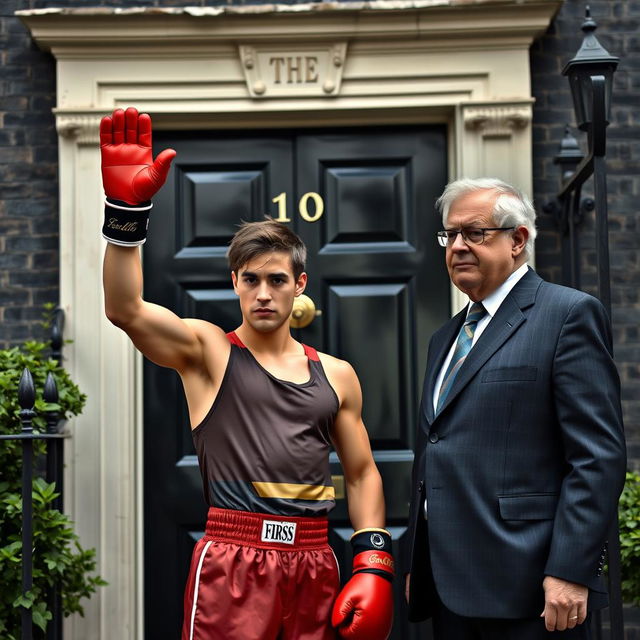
[[449, 334], [502, 326]]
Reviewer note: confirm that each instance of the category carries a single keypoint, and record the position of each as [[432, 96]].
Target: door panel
[[387, 410], [378, 275], [363, 202], [215, 201]]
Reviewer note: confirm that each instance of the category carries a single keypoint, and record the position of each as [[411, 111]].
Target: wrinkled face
[[266, 288], [479, 269]]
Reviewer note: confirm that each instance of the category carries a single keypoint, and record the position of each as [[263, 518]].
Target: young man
[[264, 411]]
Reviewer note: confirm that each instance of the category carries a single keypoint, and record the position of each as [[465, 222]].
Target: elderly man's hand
[[565, 604]]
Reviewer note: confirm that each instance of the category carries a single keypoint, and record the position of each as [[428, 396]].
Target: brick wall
[[28, 181], [618, 24]]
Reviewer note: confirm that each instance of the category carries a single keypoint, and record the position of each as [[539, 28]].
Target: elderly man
[[520, 454]]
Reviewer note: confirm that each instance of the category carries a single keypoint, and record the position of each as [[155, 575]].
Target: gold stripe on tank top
[[289, 491]]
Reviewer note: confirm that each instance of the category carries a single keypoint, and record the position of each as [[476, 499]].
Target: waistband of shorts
[[246, 527]]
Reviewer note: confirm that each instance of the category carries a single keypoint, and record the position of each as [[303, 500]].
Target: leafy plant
[[58, 557], [629, 517]]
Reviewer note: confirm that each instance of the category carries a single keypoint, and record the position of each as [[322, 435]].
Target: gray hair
[[512, 207]]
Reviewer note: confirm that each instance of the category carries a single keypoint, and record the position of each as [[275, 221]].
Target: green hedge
[[629, 515]]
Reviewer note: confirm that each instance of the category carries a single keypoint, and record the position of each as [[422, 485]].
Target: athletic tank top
[[264, 444]]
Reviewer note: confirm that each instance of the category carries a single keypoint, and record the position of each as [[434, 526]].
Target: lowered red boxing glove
[[130, 176], [364, 607]]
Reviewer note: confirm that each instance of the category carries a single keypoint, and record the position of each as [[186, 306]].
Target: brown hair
[[256, 238]]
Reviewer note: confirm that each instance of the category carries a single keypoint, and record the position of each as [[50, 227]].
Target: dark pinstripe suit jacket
[[523, 466]]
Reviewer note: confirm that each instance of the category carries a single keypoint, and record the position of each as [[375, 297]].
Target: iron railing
[[53, 436]]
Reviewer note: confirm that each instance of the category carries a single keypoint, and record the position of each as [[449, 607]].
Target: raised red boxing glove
[[364, 608], [130, 175]]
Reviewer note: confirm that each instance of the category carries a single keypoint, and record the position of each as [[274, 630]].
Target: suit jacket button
[[433, 437]]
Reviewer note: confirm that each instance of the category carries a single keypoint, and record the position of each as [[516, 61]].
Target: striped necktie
[[463, 346]]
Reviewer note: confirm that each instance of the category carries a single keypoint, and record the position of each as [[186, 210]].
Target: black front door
[[363, 202]]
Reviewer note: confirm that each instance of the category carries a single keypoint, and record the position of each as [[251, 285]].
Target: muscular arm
[[364, 486], [157, 332], [130, 178]]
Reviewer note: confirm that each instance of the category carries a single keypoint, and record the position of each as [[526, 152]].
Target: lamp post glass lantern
[[591, 60]]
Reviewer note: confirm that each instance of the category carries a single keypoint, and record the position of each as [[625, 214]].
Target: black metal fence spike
[[57, 330], [50, 395], [50, 391], [26, 390]]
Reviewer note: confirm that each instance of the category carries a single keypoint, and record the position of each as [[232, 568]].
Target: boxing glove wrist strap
[[124, 224], [372, 553]]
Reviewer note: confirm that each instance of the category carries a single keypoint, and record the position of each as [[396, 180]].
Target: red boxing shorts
[[256, 576]]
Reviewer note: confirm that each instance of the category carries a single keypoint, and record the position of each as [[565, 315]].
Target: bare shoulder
[[336, 367], [215, 345], [206, 331], [341, 375]]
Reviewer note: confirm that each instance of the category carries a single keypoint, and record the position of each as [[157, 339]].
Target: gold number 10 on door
[[303, 207]]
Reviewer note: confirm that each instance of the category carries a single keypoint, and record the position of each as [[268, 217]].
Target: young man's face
[[266, 288]]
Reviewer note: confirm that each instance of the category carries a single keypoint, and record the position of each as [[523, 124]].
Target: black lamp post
[[590, 75]]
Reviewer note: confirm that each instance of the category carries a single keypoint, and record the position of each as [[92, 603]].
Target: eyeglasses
[[471, 235]]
